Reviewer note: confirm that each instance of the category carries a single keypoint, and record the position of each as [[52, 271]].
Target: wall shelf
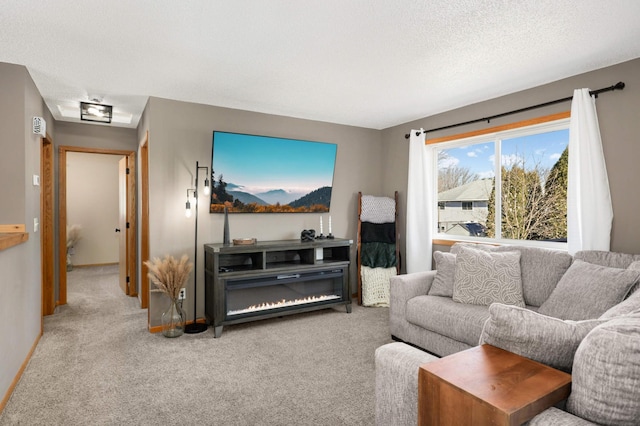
[[12, 235]]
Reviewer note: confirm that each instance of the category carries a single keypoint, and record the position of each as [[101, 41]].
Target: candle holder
[[330, 236], [321, 236]]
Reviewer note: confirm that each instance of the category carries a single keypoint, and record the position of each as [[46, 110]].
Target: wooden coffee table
[[486, 385]]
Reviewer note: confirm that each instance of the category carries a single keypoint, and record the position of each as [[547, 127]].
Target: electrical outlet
[[183, 294]]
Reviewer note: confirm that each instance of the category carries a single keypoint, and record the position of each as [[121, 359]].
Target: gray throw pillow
[[483, 278], [587, 291], [634, 266], [445, 268], [548, 340], [605, 385], [631, 303], [457, 247]]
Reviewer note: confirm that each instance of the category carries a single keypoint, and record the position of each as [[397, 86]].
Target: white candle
[[329, 224], [320, 225]]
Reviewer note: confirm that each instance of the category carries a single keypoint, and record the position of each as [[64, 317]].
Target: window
[[520, 173]]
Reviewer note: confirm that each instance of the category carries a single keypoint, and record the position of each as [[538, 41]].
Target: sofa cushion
[[606, 374], [556, 417], [587, 291], [607, 258], [483, 278], [548, 340], [541, 269], [444, 316], [445, 269]]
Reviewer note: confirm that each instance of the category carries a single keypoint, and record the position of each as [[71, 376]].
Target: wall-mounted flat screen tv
[[261, 174]]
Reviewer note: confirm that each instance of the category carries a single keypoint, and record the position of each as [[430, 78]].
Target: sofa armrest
[[402, 288], [409, 286]]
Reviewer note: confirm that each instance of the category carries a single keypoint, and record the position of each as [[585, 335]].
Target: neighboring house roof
[[468, 229], [478, 190]]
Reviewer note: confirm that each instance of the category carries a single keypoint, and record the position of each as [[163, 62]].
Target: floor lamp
[[196, 327]]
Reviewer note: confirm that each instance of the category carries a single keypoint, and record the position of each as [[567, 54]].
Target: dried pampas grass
[[168, 274], [73, 235]]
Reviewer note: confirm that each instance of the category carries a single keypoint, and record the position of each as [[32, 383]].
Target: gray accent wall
[[180, 134], [619, 119], [20, 277]]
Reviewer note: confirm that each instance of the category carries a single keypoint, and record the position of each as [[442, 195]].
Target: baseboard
[[16, 379], [158, 328]]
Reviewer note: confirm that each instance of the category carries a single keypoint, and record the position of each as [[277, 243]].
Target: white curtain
[[589, 210], [420, 204]]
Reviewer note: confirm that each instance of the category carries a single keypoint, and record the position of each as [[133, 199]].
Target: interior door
[[122, 224]]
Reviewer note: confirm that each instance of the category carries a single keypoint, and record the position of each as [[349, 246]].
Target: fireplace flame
[[283, 303]]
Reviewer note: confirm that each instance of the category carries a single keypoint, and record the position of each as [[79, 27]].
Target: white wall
[[92, 202]]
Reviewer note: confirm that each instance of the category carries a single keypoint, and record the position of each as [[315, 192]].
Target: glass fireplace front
[[275, 293]]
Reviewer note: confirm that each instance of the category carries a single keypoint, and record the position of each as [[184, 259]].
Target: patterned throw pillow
[[445, 270], [483, 278]]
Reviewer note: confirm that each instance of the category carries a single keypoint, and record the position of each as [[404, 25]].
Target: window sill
[[12, 239], [444, 241]]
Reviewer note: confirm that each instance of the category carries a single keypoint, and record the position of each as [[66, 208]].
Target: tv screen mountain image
[[263, 174]]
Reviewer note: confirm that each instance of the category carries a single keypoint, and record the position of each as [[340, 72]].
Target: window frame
[[495, 135]]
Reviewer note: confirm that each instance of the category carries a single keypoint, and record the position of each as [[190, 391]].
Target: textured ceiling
[[365, 63]]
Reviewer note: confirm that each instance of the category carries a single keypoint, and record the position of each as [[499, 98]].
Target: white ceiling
[[375, 63]]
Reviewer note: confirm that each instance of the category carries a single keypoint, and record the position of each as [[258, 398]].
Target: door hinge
[[128, 170], [127, 225]]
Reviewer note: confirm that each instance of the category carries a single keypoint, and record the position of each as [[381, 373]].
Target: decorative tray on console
[[244, 241]]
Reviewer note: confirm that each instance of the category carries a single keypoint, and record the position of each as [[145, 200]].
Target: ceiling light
[[95, 112]]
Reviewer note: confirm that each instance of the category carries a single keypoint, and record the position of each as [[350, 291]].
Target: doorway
[[129, 229]]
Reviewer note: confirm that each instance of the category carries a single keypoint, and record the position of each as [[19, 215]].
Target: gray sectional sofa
[[579, 314]]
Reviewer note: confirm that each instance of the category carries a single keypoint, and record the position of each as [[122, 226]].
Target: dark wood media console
[[274, 278]]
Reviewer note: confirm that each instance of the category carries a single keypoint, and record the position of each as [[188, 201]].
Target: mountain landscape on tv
[[264, 174], [237, 199]]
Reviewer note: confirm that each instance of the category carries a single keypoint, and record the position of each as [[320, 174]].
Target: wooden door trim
[[47, 255], [144, 221], [62, 212], [131, 219]]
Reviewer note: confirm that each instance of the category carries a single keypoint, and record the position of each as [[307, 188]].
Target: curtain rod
[[617, 86]]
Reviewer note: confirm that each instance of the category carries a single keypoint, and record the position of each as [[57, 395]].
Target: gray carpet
[[97, 364]]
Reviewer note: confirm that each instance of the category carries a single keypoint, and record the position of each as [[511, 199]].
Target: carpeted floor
[[97, 364]]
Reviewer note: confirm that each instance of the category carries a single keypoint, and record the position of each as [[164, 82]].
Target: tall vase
[[173, 320], [225, 232]]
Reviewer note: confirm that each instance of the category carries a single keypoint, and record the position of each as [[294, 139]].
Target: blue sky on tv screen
[[259, 164]]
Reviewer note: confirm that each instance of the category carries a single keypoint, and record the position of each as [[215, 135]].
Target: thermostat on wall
[[39, 126]]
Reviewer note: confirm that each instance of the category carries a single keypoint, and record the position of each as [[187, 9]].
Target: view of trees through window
[[532, 192]]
